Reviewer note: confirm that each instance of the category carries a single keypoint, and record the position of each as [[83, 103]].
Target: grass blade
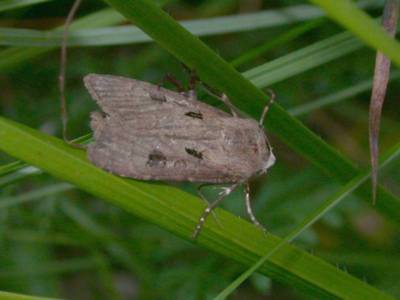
[[13, 4], [319, 212], [213, 70], [7, 202], [15, 55], [337, 96], [177, 211], [119, 35], [13, 296], [346, 13]]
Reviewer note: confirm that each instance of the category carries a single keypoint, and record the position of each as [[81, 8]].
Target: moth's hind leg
[[249, 210], [203, 197], [189, 92], [209, 209], [171, 79]]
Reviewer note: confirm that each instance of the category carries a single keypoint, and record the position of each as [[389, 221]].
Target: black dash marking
[[156, 159], [196, 115], [194, 153]]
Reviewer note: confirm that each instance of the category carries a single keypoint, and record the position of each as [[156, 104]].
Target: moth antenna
[[271, 96], [63, 66], [249, 209], [210, 208]]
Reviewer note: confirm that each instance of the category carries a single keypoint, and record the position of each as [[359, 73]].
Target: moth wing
[[163, 136], [128, 98], [143, 156]]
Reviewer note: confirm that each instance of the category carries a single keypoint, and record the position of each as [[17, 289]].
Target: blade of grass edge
[[327, 205]]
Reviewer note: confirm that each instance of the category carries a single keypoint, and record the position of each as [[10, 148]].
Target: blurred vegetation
[[58, 241]]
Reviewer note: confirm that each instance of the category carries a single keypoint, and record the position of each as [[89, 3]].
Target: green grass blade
[[131, 34], [282, 39], [13, 4], [178, 212], [313, 217], [15, 55], [11, 167], [7, 202], [213, 70], [346, 13], [304, 59], [52, 267], [13, 296], [337, 97]]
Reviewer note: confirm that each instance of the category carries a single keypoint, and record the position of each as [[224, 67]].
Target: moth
[[148, 132]]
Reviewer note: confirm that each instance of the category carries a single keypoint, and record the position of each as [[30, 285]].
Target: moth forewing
[[148, 132]]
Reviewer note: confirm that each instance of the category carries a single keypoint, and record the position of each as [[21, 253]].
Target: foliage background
[[58, 241]]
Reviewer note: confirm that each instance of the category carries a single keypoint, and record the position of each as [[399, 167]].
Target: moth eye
[[156, 159]]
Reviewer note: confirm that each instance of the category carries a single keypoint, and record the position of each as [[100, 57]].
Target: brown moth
[[147, 132]]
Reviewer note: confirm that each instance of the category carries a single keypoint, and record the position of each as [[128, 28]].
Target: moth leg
[[271, 96], [193, 80], [224, 98], [225, 192], [249, 210], [206, 201], [171, 79]]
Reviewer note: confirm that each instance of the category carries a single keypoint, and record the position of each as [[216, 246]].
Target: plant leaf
[[178, 212], [13, 4], [381, 79], [313, 217], [214, 71], [351, 17]]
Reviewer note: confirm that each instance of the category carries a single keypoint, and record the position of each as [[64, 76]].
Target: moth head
[[268, 156]]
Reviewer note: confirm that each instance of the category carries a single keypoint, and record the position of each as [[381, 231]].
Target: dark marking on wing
[[194, 153], [156, 159], [157, 95], [196, 115]]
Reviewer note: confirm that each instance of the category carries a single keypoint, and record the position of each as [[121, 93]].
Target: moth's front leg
[[171, 79], [209, 209], [248, 208]]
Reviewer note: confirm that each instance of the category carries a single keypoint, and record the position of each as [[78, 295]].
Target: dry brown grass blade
[[381, 77]]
